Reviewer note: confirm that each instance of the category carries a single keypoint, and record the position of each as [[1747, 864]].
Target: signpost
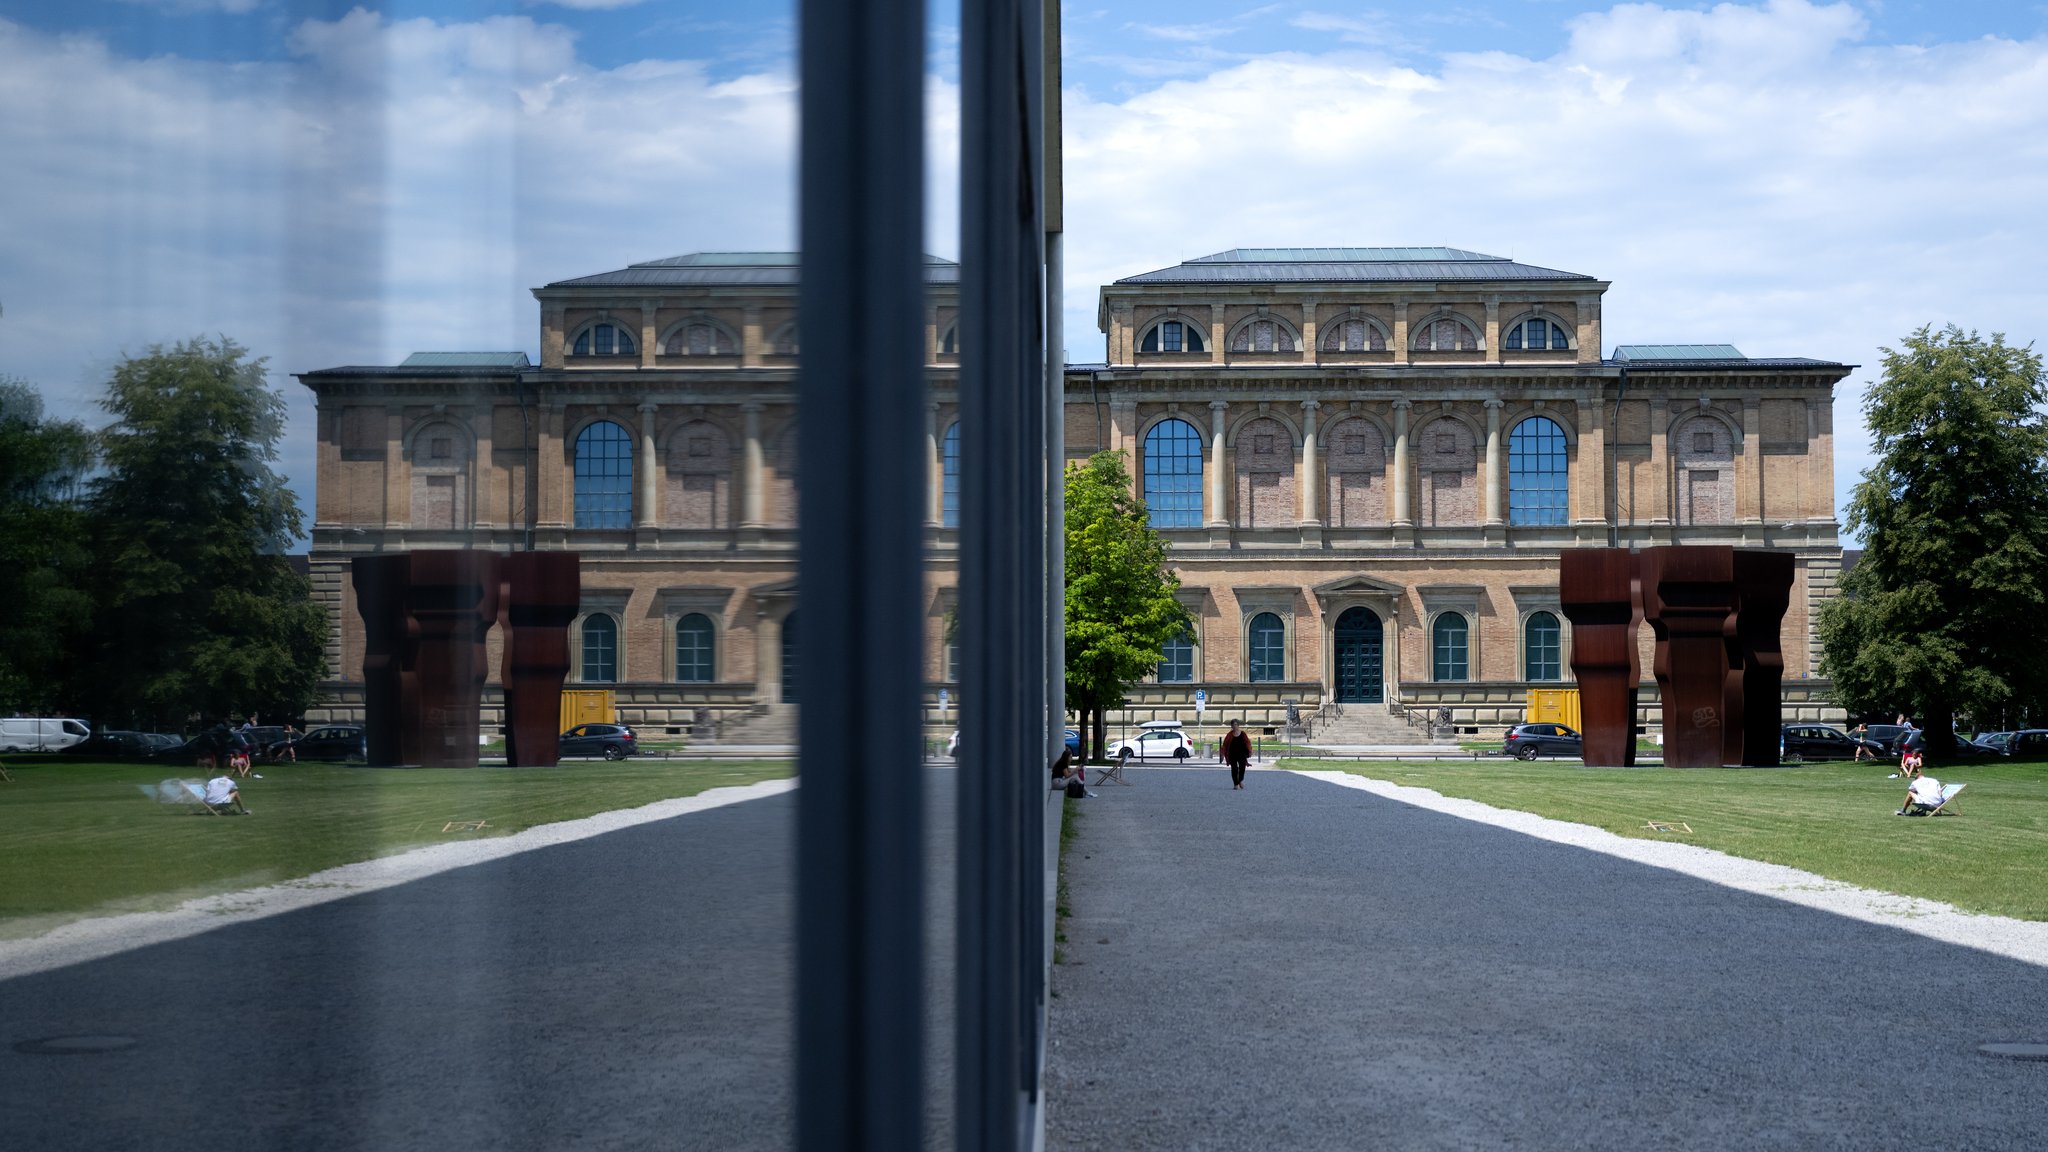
[[1201, 702]]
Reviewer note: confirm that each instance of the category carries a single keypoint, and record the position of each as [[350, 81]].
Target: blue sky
[[336, 183]]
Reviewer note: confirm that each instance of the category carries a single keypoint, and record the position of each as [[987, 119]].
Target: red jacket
[[1237, 747]]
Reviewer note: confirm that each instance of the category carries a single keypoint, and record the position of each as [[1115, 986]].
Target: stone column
[[647, 512], [1403, 516], [1219, 515], [935, 467], [1311, 509], [752, 484], [397, 488], [1493, 516]]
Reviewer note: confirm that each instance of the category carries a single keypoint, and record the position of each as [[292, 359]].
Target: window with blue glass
[[1173, 475], [1536, 336], [604, 477], [1542, 648], [694, 638], [600, 649], [1449, 637], [1172, 336], [1269, 649], [949, 485], [602, 340], [1539, 473], [1177, 660]]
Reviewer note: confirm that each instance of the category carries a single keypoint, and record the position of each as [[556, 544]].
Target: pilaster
[[1401, 332], [1404, 518], [650, 312], [1493, 329], [1309, 484], [1218, 510], [646, 509], [397, 494], [1494, 524]]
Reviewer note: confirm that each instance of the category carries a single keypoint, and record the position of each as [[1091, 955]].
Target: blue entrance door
[[1358, 657]]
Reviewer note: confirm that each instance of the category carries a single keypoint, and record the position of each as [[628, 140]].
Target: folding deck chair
[[1948, 796], [1113, 772]]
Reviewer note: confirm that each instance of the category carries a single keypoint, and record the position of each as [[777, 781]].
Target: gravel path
[[1304, 965]]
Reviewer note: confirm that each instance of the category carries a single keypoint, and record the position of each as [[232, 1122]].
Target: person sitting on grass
[[1923, 795], [223, 796]]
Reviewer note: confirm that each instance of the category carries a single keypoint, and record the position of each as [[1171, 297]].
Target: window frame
[[1260, 653], [629, 340], [583, 643], [578, 492], [1555, 649], [1456, 669], [1153, 482], [709, 650], [1535, 494], [1152, 340]]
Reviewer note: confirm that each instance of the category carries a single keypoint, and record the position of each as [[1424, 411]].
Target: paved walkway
[[1305, 966]]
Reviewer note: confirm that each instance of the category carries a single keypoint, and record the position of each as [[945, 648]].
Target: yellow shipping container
[[593, 706], [1555, 706]]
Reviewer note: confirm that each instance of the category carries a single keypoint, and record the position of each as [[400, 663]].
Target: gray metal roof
[[1279, 265], [466, 360], [726, 269], [1627, 352]]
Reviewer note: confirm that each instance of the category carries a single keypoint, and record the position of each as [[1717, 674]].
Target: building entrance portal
[[1358, 673]]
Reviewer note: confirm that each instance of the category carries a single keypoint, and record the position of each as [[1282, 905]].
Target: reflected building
[[1366, 462]]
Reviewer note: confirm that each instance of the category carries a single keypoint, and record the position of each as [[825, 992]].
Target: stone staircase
[[1372, 724], [769, 724]]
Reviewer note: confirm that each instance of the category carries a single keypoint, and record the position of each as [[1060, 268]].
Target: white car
[[1160, 740]]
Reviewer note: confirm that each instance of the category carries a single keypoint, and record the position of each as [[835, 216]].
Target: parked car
[[158, 743], [1819, 742], [2028, 744], [333, 743], [1884, 739], [41, 733], [1528, 741], [1965, 749], [1073, 744], [611, 741], [1157, 740], [1996, 741], [113, 744]]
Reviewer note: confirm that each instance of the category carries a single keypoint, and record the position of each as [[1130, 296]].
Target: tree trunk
[[1939, 737]]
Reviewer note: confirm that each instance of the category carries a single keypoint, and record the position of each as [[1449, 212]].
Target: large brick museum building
[[1366, 461]]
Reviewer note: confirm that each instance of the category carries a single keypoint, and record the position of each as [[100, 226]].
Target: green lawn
[[80, 838], [1832, 819]]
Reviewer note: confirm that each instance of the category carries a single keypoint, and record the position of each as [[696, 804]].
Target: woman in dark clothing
[[1237, 752]]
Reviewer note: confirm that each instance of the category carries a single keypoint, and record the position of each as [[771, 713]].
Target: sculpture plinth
[[1597, 591], [540, 593]]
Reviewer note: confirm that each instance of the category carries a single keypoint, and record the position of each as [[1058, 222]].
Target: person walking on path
[[1237, 752]]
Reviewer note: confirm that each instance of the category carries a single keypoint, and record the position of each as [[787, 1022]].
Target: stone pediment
[[1359, 585]]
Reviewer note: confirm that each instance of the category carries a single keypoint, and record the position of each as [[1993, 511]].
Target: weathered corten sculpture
[[1716, 613], [427, 615], [539, 595], [1597, 591]]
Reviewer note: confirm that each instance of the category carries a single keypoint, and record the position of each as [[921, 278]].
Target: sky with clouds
[[343, 183]]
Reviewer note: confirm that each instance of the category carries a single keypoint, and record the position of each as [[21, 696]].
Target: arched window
[[700, 338], [604, 477], [1177, 660], [1173, 336], [1173, 475], [949, 344], [1263, 336], [603, 340], [1542, 648], [1353, 336], [1268, 643], [694, 646], [1448, 648], [1537, 335], [600, 649], [949, 483], [1538, 472], [1445, 334], [1703, 450], [783, 343]]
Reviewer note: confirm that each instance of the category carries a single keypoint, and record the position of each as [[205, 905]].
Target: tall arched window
[[1173, 336], [949, 483], [1542, 648], [1268, 642], [1177, 660], [604, 477], [603, 340], [1448, 639], [1538, 472], [694, 644], [600, 649], [1173, 475]]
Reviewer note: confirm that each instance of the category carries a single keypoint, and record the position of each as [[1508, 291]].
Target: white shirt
[[1926, 790], [220, 790]]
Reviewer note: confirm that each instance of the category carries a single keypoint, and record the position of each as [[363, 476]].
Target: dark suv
[[611, 741], [1820, 742], [1528, 741]]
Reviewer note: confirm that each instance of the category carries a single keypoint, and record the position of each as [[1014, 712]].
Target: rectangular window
[[1262, 336], [1170, 336], [1177, 661], [603, 343]]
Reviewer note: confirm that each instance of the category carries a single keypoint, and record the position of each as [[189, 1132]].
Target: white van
[[40, 733]]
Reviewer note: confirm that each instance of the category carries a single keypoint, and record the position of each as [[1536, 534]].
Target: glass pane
[[1538, 473], [1173, 474]]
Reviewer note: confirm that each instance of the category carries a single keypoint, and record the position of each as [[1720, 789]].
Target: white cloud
[[1750, 174], [588, 5], [232, 7]]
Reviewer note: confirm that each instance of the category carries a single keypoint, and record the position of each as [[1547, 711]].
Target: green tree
[[199, 612], [1948, 609], [42, 552], [1121, 608]]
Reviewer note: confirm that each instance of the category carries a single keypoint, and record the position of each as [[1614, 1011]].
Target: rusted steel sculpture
[[426, 616], [1716, 613], [1597, 592], [540, 592], [1763, 587]]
